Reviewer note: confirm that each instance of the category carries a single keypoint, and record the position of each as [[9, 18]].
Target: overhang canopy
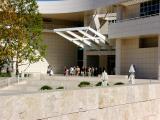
[[82, 36]]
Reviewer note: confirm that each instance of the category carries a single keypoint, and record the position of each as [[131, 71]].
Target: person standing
[[65, 70], [89, 71], [50, 70], [77, 71], [71, 71], [131, 75], [82, 71]]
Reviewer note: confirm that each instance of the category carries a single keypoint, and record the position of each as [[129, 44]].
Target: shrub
[[119, 83], [99, 84], [46, 87], [84, 84], [61, 87], [5, 74]]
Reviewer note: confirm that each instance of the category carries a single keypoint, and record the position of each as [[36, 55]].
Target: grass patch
[[119, 83], [84, 84], [61, 87], [46, 87]]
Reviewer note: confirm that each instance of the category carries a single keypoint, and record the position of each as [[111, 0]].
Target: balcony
[[148, 25]]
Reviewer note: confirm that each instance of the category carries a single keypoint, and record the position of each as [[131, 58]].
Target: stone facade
[[127, 31], [60, 52]]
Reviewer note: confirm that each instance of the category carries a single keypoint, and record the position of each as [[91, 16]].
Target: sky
[[48, 0]]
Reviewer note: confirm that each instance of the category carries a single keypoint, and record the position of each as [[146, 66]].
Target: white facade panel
[[69, 6], [135, 27]]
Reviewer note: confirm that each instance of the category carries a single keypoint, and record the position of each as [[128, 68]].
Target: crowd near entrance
[[83, 71], [95, 65]]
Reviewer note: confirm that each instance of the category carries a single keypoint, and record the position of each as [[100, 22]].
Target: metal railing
[[135, 18]]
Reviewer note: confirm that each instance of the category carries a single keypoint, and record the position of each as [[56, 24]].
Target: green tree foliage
[[20, 32]]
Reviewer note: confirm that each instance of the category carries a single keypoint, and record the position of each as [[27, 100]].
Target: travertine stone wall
[[136, 27], [60, 52], [138, 102], [144, 59]]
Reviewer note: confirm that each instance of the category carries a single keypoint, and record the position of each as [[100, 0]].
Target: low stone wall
[[137, 102], [86, 78], [6, 81]]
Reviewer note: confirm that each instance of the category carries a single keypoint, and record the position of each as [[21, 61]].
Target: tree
[[20, 32]]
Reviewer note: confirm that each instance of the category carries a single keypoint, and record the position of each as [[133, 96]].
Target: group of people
[[90, 71], [84, 71]]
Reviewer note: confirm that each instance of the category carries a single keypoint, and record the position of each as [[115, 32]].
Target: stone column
[[118, 57], [84, 58], [159, 57], [103, 61]]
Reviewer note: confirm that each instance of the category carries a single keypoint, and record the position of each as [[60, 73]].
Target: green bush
[[99, 84], [46, 87], [5, 74], [61, 87], [84, 84], [119, 83]]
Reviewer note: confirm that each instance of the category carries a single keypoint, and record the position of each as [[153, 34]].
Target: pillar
[[159, 57], [118, 57], [103, 61], [84, 58]]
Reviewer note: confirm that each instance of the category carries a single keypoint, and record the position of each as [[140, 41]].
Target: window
[[148, 42], [150, 8]]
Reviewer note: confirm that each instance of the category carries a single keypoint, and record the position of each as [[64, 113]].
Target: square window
[[148, 42]]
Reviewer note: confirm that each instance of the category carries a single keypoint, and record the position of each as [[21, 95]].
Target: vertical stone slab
[[118, 56], [158, 57], [120, 11]]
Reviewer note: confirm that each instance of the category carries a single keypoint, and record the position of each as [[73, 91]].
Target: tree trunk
[[17, 67], [17, 70]]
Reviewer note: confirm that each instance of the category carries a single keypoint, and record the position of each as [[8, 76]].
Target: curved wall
[[69, 6]]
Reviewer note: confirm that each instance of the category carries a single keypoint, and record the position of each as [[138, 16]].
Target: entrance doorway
[[111, 65], [80, 57], [93, 61], [104, 62]]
